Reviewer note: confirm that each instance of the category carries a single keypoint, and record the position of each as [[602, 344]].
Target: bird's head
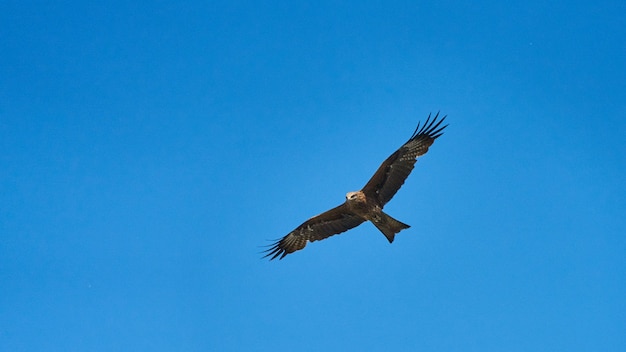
[[350, 196]]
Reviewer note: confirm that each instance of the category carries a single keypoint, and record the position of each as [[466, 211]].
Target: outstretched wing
[[392, 172], [332, 222]]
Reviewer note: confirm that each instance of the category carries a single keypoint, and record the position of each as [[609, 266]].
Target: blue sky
[[150, 149]]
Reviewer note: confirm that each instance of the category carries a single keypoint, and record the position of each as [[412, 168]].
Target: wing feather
[[392, 173], [331, 222]]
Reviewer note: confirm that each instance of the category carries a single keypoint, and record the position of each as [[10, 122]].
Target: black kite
[[368, 203]]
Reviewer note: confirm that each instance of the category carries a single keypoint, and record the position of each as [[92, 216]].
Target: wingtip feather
[[274, 251], [430, 127]]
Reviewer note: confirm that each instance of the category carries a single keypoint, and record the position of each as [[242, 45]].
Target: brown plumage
[[366, 204]]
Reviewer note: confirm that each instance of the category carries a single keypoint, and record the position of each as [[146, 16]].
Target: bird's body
[[359, 204], [366, 204], [369, 208]]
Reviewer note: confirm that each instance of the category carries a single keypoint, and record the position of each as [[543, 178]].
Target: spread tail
[[389, 226]]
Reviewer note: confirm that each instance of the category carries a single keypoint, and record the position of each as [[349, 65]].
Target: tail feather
[[389, 226]]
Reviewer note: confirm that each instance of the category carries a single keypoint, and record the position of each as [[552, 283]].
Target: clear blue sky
[[149, 149]]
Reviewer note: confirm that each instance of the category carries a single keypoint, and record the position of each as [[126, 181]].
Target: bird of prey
[[366, 204]]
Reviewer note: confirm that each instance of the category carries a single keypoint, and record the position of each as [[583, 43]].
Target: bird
[[366, 204]]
